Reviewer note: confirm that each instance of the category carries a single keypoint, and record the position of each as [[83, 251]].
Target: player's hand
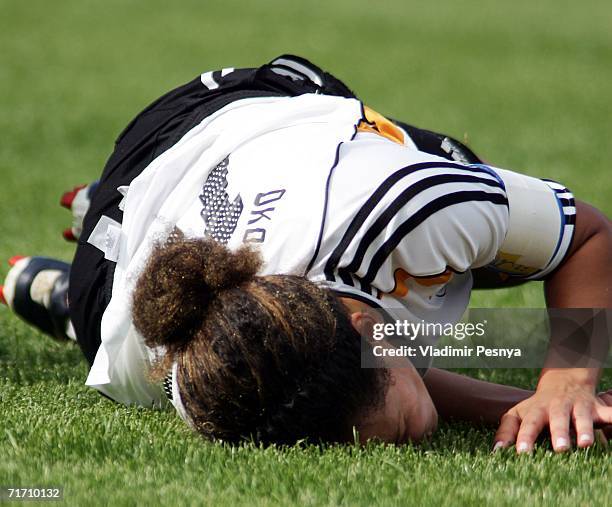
[[606, 398], [563, 397]]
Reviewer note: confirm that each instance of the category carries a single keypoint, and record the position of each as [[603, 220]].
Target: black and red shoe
[[36, 289], [77, 201]]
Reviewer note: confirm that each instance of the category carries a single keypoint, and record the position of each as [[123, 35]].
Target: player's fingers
[[559, 421], [531, 427], [603, 414], [583, 423], [606, 397], [505, 435]]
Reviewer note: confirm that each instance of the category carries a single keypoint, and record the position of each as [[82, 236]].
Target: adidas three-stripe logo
[[211, 79]]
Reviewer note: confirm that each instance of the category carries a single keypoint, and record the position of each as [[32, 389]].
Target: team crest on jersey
[[220, 215]]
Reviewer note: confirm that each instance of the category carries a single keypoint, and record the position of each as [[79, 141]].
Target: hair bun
[[181, 279]]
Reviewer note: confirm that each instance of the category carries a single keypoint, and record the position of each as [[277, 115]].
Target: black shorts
[[158, 128]]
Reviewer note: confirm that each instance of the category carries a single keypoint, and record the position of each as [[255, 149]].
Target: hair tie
[[176, 397]]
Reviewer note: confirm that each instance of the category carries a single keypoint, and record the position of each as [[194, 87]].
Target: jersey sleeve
[[453, 226], [425, 220], [540, 229]]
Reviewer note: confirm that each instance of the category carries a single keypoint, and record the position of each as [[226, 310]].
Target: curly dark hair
[[269, 358]]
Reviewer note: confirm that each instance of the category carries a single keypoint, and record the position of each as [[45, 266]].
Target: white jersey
[[329, 190]]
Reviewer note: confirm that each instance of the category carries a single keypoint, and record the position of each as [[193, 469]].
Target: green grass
[[527, 83]]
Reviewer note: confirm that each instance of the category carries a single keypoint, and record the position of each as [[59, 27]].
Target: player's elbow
[[592, 227]]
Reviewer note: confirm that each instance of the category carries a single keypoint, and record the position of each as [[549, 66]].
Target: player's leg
[[36, 288], [440, 144], [77, 201]]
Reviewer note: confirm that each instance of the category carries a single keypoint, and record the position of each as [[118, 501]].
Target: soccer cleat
[[36, 289], [69, 235], [77, 201], [15, 259], [68, 197]]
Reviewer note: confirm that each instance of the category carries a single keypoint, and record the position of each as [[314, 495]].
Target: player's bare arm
[[565, 398], [565, 402]]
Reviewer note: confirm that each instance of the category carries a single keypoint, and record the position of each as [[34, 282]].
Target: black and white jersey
[[325, 188]]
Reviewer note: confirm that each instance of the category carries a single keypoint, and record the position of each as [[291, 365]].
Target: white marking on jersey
[[208, 81], [289, 73], [300, 68], [555, 185]]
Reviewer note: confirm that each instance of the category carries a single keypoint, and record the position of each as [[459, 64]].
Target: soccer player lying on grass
[[247, 222]]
